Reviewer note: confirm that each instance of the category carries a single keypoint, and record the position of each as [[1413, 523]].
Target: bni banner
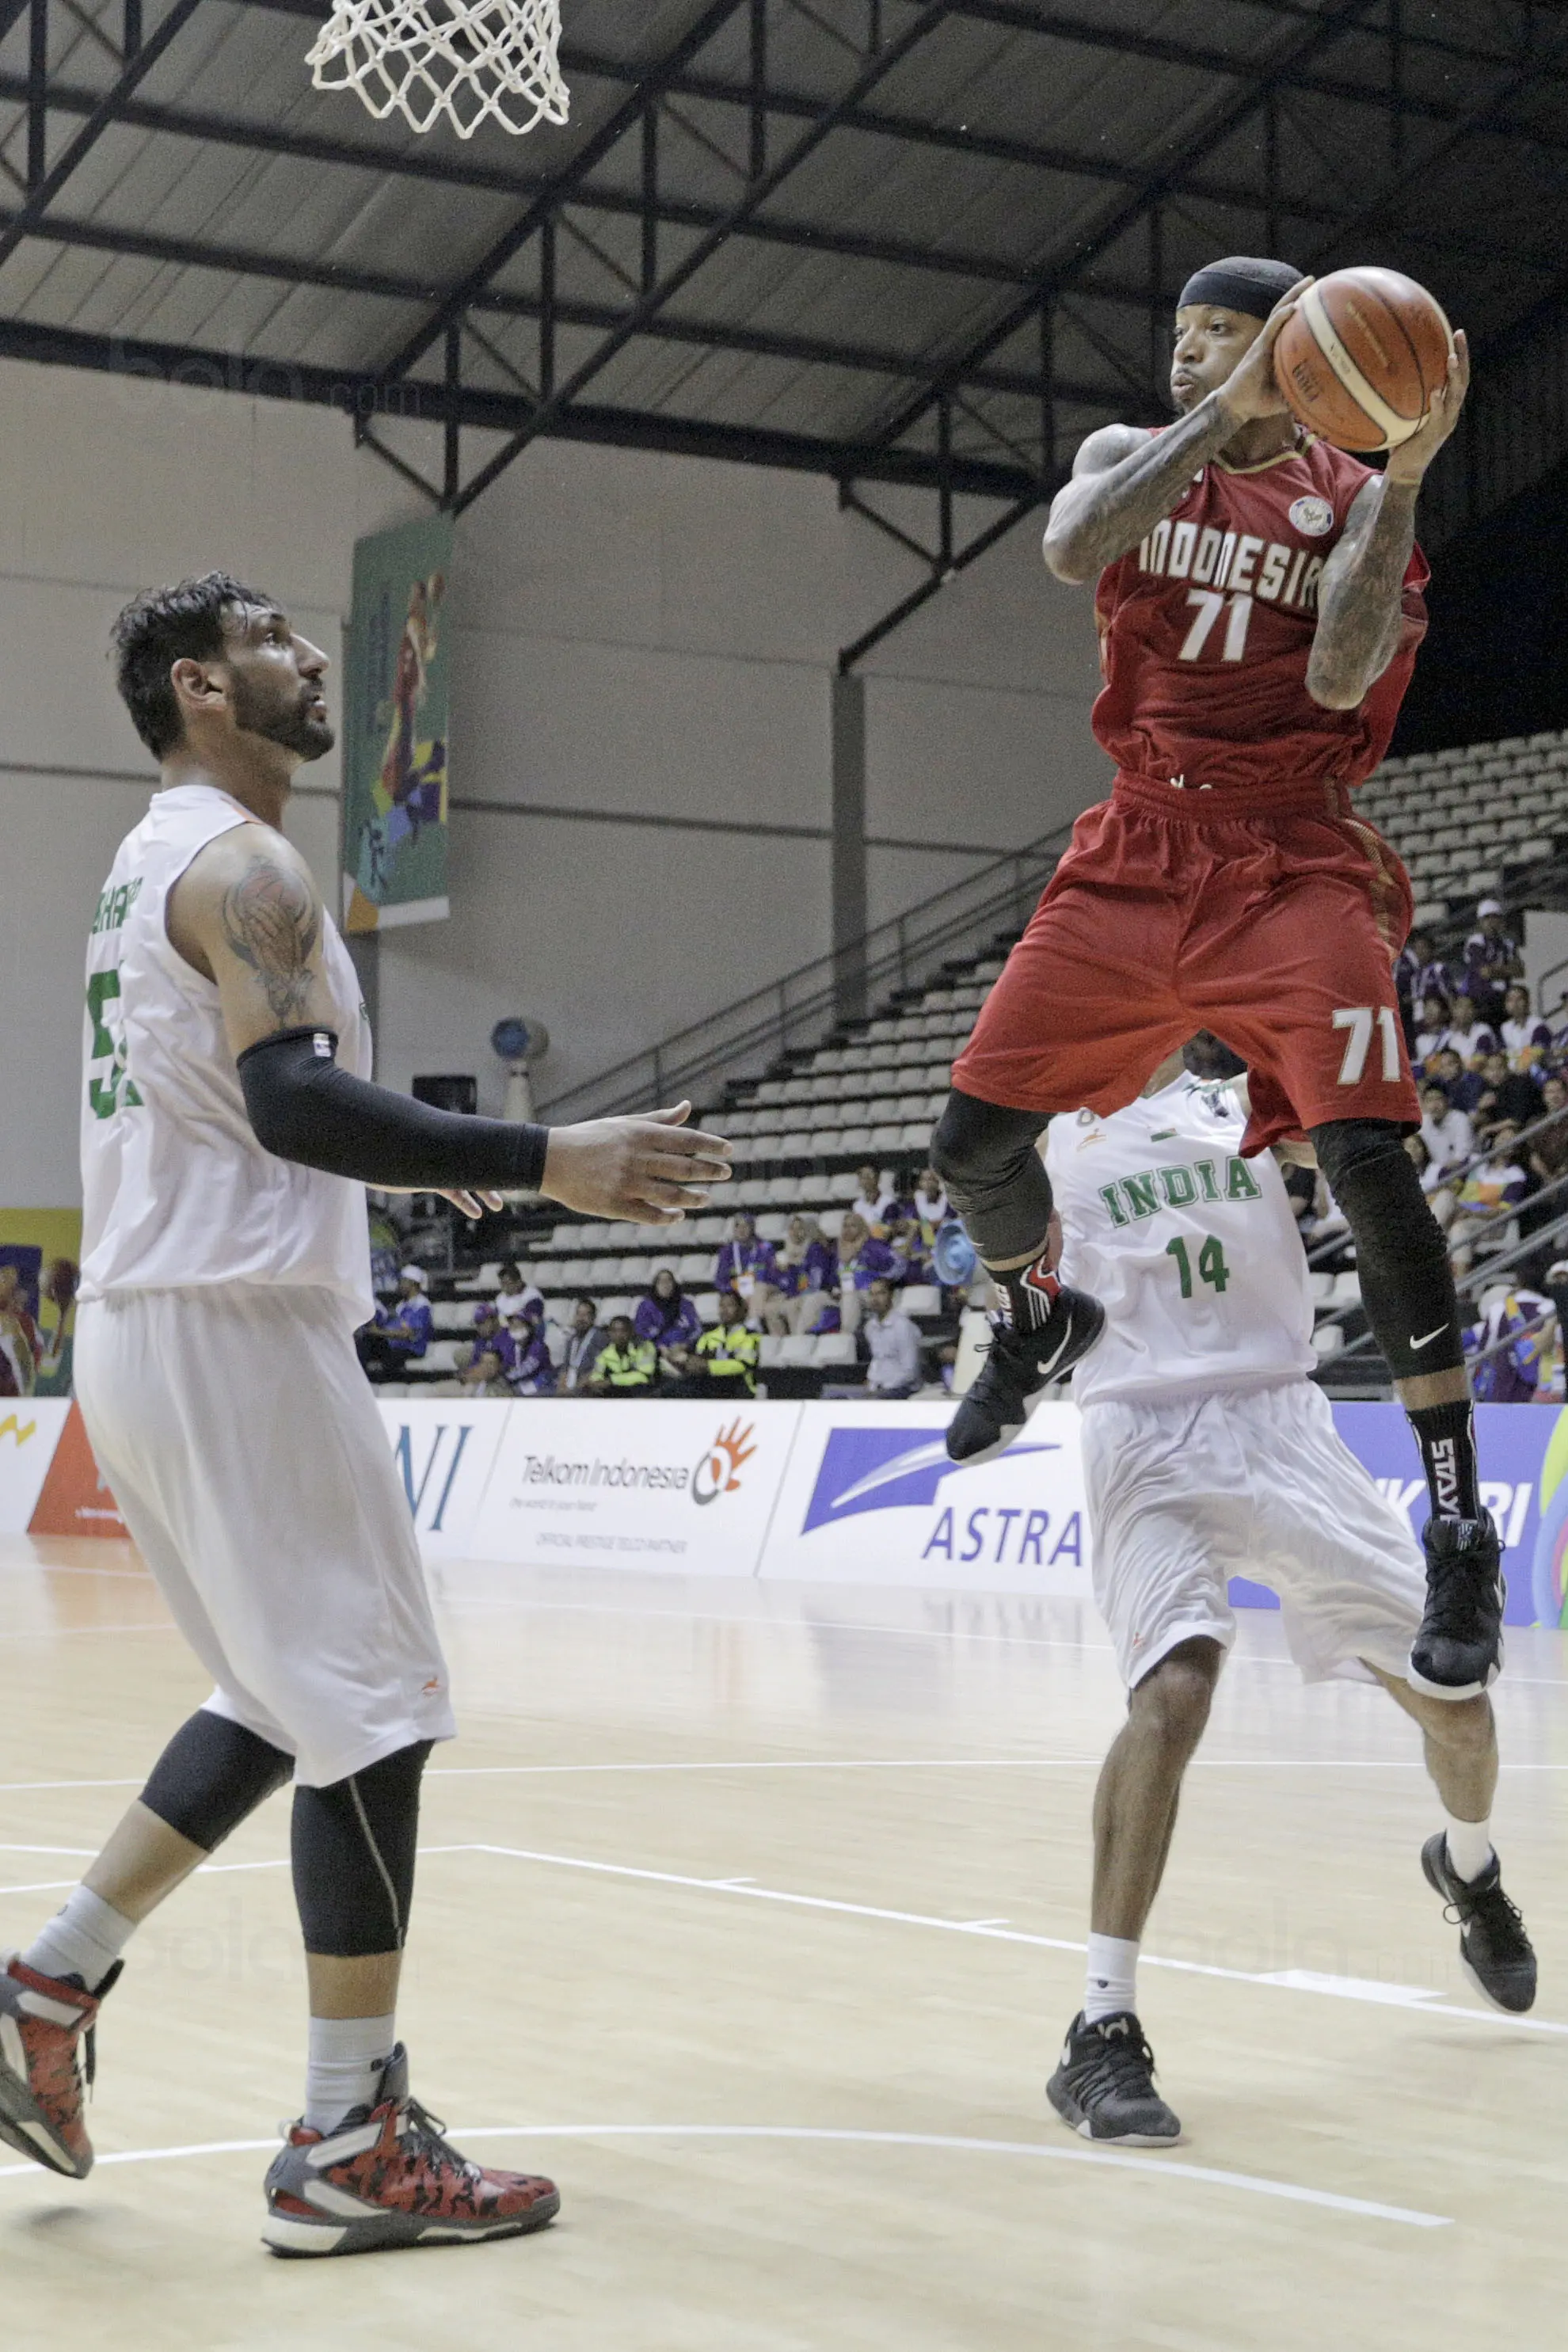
[[396, 729]]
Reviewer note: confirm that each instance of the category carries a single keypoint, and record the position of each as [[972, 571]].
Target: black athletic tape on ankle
[[304, 1107]]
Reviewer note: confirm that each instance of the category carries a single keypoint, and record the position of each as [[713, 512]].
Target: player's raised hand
[[650, 1170], [1251, 389], [1411, 459]]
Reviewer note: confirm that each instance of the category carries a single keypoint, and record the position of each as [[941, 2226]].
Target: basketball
[[1361, 356]]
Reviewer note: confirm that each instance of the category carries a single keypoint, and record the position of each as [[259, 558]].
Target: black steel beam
[[42, 195], [422, 165], [558, 190], [1218, 122], [716, 334], [1092, 32], [891, 55], [1025, 504], [361, 396]]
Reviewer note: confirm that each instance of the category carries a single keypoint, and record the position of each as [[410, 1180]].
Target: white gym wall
[[638, 639]]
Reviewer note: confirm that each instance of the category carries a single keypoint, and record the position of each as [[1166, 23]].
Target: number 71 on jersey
[[1361, 1020]]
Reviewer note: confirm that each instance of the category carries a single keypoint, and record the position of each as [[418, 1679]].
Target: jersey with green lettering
[[1192, 1250], [176, 1190]]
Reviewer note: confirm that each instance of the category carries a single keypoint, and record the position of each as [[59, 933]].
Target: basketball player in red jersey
[[1260, 606]]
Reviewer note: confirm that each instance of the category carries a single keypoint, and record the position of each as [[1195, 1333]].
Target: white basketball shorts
[[1188, 1493], [244, 1448]]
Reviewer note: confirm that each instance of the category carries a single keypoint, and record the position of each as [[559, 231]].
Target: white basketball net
[[468, 59]]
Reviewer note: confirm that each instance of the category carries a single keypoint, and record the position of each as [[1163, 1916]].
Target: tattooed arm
[[1358, 597], [1125, 481], [247, 915]]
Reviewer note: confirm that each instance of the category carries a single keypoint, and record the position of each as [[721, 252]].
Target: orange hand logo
[[718, 1471]]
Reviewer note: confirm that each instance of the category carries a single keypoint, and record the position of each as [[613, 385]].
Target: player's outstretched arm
[[1360, 613], [1126, 480], [247, 915]]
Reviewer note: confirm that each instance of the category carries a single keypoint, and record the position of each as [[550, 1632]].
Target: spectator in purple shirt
[[532, 1372], [401, 1332], [1463, 1087], [805, 1271], [745, 1265], [860, 1262], [1418, 973], [1514, 1326], [1491, 958], [1431, 1027], [668, 1317]]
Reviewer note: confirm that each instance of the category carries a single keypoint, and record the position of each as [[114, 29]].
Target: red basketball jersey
[[1205, 628]]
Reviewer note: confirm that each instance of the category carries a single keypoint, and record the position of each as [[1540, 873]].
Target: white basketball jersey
[[175, 1188], [1192, 1250]]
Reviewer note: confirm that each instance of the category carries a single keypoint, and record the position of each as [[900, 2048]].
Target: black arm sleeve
[[304, 1107]]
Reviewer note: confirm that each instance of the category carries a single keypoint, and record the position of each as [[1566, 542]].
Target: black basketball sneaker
[[1494, 1950], [1104, 2087], [1018, 1363], [1458, 1649]]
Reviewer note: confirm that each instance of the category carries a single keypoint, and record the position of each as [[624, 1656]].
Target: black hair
[[161, 626], [582, 1299], [508, 1265]]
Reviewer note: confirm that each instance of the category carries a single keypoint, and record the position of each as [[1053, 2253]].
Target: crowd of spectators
[[1492, 1147], [802, 1285]]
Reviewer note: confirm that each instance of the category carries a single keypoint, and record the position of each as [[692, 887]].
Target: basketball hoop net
[[468, 59]]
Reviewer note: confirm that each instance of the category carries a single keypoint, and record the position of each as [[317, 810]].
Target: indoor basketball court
[[767, 1905], [638, 420]]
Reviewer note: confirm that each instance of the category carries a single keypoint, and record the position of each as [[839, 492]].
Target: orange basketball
[[1361, 356]]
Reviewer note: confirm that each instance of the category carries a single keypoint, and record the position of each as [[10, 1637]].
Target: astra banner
[[828, 1493]]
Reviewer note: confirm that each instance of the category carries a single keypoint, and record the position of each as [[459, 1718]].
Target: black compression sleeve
[[304, 1107]]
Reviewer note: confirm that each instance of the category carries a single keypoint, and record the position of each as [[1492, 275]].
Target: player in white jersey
[[229, 1130], [1208, 1454]]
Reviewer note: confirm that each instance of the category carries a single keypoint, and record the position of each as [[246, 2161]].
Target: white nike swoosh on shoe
[[1430, 1336]]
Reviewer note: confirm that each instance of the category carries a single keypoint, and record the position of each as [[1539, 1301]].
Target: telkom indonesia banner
[[822, 1493]]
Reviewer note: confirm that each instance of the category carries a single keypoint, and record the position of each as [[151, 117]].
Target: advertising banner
[[660, 1486], [396, 780], [73, 1499], [445, 1451], [871, 1497]]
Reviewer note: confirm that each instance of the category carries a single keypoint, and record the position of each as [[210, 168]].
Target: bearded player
[[229, 1130], [1260, 606]]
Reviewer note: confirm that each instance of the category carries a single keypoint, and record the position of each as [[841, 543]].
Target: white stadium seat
[[920, 1298], [831, 1348], [798, 1348]]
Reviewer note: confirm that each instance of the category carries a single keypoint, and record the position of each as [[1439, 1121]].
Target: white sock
[[1112, 1980], [347, 2054], [1470, 1847], [83, 1940]]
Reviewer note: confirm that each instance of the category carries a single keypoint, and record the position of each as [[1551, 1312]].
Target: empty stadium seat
[[920, 1298], [831, 1348], [800, 1347]]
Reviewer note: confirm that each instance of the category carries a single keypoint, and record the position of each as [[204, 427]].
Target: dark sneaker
[[1017, 1365], [1104, 2087], [388, 2178], [42, 2019], [1494, 1950], [1458, 1650]]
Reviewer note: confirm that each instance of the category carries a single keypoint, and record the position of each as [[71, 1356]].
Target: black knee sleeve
[[995, 1178], [353, 1847], [1402, 1258], [212, 1776]]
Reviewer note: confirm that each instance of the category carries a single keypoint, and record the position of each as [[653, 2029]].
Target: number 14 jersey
[[1192, 1250], [1205, 628]]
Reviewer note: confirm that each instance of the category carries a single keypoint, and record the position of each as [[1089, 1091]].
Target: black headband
[[1242, 283]]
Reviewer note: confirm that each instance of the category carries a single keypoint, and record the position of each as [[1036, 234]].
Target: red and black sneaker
[[42, 2082], [388, 2178]]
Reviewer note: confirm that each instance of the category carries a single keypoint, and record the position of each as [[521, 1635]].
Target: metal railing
[[744, 1039]]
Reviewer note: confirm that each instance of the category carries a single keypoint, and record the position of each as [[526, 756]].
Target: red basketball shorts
[[1268, 914]]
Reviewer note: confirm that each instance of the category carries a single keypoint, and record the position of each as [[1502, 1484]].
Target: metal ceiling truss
[[989, 418]]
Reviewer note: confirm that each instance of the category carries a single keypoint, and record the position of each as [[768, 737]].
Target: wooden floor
[[754, 1915]]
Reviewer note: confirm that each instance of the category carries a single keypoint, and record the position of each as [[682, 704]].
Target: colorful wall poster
[[395, 781]]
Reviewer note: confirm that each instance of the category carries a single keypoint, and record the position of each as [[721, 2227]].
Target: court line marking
[[1422, 1998], [910, 1632], [1156, 2167], [1428, 2004]]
